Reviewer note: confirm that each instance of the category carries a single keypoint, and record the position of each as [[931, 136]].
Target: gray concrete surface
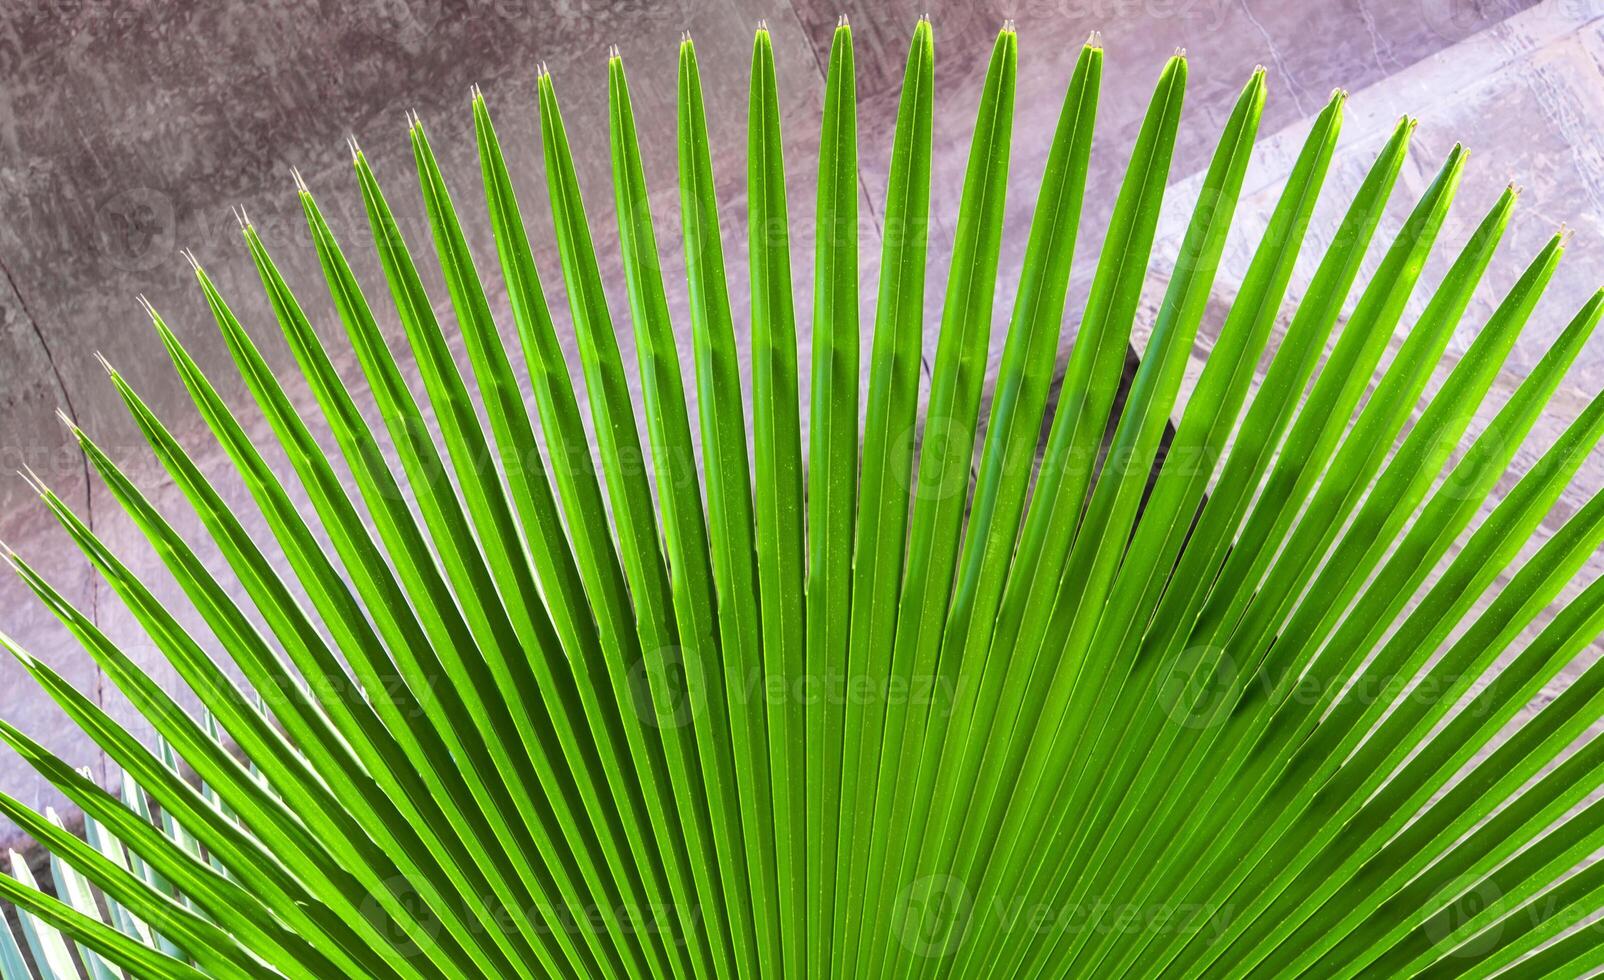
[[129, 130]]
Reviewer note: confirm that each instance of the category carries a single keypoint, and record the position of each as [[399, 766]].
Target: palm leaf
[[1217, 671], [778, 499]]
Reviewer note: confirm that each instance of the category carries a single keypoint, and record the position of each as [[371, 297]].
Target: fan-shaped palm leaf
[[1187, 680]]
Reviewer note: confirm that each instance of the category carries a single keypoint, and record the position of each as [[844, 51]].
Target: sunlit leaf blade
[[1374, 525], [731, 527], [112, 847], [1151, 727], [239, 907], [940, 493], [402, 675], [78, 894], [662, 750], [212, 949], [46, 945], [1087, 392], [502, 778], [717, 850], [39, 912], [265, 814], [1018, 404], [778, 499], [832, 477], [1117, 493], [12, 965], [872, 729], [342, 730], [545, 702], [1205, 424]]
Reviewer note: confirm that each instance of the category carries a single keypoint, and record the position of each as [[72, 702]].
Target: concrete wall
[[129, 130]]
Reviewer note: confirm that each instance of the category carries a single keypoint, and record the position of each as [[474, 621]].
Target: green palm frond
[[1055, 671]]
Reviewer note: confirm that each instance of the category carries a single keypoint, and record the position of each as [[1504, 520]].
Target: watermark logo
[[416, 917], [1452, 20], [1474, 897], [660, 684], [943, 459], [1196, 691], [138, 229], [929, 912]]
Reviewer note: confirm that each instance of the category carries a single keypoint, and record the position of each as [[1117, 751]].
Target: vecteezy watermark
[[387, 689], [942, 451], [930, 917], [397, 911], [929, 913], [1465, 474], [932, 913], [1196, 691], [663, 689], [399, 914], [1453, 20], [138, 228], [672, 687], [1469, 897], [1203, 684]]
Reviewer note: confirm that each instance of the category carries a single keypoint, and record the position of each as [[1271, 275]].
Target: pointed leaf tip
[[842, 23], [1095, 40]]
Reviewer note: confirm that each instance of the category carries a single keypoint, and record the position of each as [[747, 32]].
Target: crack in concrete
[[1377, 42], [89, 490], [1293, 88]]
